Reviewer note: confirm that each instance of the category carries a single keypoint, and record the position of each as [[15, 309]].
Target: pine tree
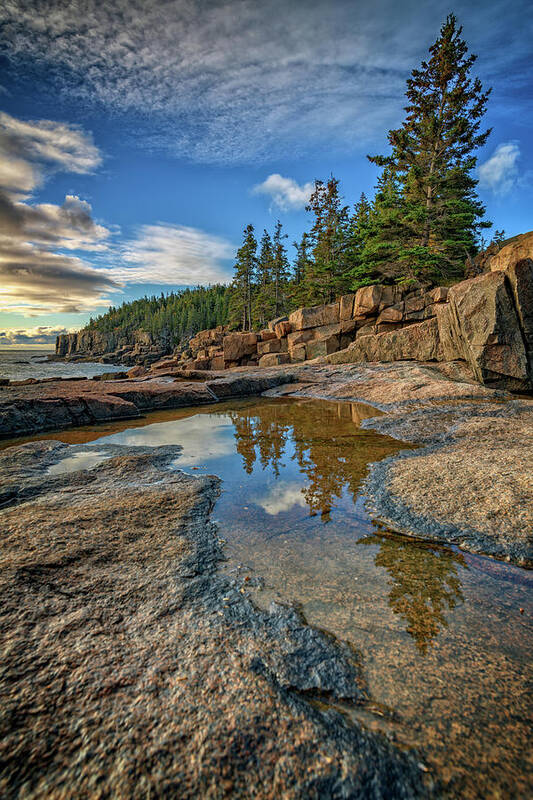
[[384, 232], [298, 292], [280, 270], [264, 300], [327, 273], [243, 281], [433, 159], [359, 230]]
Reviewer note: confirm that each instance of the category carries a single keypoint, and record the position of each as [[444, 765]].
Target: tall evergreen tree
[[243, 281], [433, 159], [298, 291], [327, 273], [264, 299], [280, 270], [359, 231]]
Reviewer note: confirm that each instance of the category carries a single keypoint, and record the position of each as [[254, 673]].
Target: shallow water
[[444, 644], [18, 365]]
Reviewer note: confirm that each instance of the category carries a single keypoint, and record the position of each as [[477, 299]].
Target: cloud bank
[[286, 193], [35, 276], [43, 334]]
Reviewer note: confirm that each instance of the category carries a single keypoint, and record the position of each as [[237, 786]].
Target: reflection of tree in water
[[424, 583], [323, 437]]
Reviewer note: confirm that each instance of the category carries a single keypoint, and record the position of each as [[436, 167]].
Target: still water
[[445, 637]]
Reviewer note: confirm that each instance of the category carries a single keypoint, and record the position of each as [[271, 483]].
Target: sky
[[139, 137]]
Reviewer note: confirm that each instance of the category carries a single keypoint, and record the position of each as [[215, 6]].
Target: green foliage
[[170, 318], [243, 286], [433, 163], [327, 271]]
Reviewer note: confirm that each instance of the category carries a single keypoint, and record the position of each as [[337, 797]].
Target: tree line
[[170, 319], [423, 224]]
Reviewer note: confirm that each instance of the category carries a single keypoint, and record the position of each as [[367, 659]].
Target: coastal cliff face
[[140, 348], [486, 321]]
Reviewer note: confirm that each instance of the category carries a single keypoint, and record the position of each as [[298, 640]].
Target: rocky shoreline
[[133, 667], [468, 484]]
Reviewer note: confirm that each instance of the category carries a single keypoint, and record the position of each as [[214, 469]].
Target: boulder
[[266, 335], [274, 359], [273, 322], [299, 337], [217, 363], [367, 300], [391, 314], [520, 277], [322, 347], [201, 363], [367, 330], [298, 353], [418, 342], [346, 306], [238, 345], [314, 316], [439, 294], [270, 346], [486, 331], [282, 328], [514, 250], [136, 372]]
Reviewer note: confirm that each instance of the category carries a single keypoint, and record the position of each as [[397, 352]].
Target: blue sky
[[138, 137]]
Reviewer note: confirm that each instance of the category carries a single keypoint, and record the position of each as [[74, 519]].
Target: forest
[[423, 226]]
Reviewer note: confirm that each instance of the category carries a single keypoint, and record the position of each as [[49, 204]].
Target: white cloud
[[174, 255], [282, 497], [500, 172], [286, 193]]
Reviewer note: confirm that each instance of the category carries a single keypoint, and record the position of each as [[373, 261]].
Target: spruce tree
[[264, 299], [327, 274], [433, 159], [243, 281], [298, 292], [280, 270], [383, 234]]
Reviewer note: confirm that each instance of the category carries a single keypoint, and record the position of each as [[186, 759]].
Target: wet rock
[[131, 664]]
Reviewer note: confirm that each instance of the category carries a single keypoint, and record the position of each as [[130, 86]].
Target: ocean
[[17, 365]]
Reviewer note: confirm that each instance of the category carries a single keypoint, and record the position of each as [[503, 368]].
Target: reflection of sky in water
[[209, 444], [81, 460]]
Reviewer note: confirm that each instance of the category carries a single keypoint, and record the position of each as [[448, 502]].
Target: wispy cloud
[[174, 255], [237, 80], [500, 172], [285, 193]]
